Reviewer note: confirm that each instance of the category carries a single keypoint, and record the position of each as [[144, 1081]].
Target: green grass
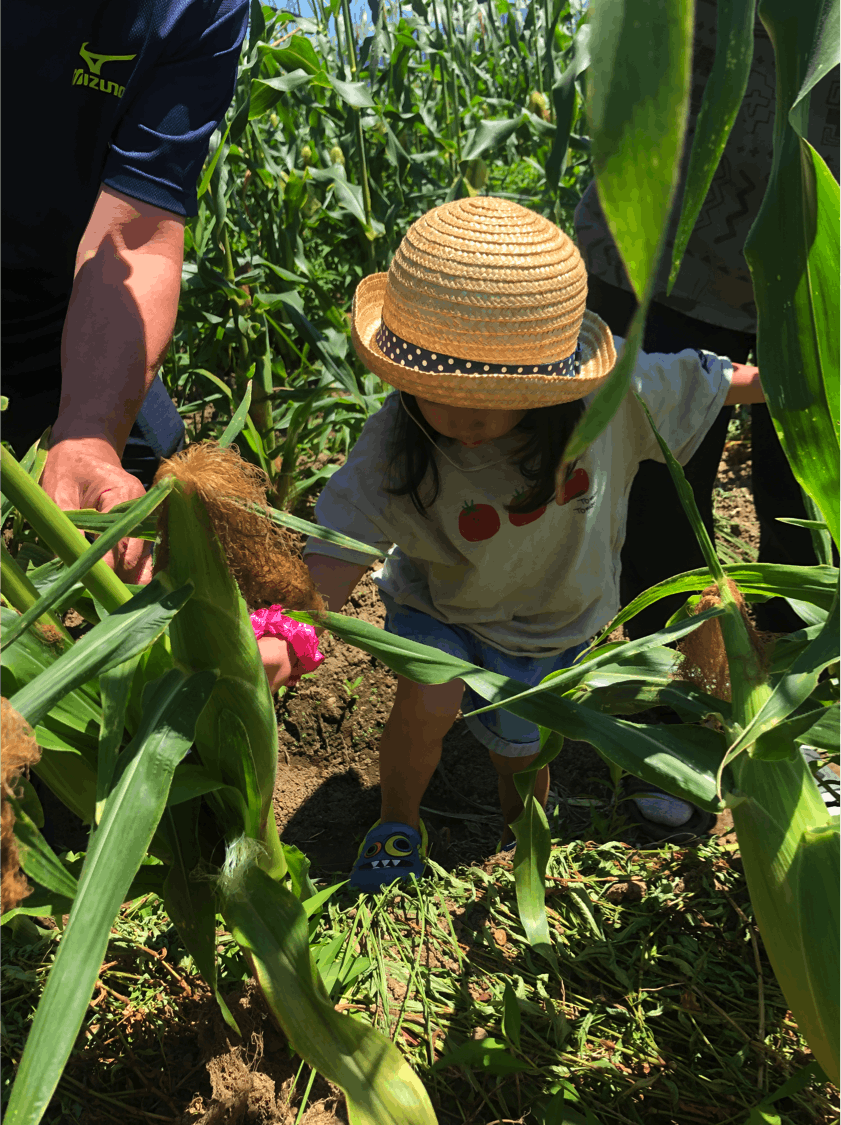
[[664, 1010]]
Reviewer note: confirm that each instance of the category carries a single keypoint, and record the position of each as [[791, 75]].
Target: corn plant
[[740, 753], [158, 730]]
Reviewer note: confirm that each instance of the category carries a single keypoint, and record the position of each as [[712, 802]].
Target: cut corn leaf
[[37, 858], [271, 926], [123, 634], [117, 848], [724, 90]]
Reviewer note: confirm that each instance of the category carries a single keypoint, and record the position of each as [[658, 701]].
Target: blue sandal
[[389, 851]]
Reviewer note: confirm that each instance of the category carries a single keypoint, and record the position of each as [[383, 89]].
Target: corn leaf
[[87, 519], [57, 531], [324, 533], [792, 689], [793, 254], [569, 678], [37, 858], [682, 760], [76, 573], [775, 825], [191, 781], [190, 901], [812, 585], [531, 857], [270, 924], [723, 93], [239, 418], [19, 591], [132, 812], [123, 634], [115, 685], [638, 92]]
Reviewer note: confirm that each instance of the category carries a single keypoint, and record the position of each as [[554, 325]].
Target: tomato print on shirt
[[577, 485], [478, 522], [520, 519]]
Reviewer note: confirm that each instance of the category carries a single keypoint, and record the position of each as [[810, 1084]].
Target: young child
[[480, 326]]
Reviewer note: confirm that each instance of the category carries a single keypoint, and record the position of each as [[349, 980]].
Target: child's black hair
[[545, 431]]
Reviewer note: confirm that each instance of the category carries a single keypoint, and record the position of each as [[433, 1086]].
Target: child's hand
[[745, 387], [279, 660]]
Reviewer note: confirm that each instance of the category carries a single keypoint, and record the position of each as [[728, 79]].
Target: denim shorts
[[501, 731]]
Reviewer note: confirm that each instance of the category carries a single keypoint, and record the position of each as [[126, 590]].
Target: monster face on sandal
[[389, 851]]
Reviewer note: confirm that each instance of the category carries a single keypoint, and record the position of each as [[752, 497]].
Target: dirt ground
[[327, 794]]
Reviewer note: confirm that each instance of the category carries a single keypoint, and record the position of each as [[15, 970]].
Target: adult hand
[[86, 472]]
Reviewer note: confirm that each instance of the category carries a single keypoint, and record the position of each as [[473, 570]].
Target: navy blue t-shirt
[[106, 92]]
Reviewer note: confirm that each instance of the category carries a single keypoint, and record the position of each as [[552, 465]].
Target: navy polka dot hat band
[[483, 306], [420, 359]]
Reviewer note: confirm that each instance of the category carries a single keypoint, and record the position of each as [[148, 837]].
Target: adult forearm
[[121, 317], [118, 327]]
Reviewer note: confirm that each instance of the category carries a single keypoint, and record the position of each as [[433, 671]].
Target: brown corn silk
[[19, 751], [703, 655], [266, 569]]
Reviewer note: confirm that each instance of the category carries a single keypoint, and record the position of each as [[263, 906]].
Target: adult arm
[[119, 323], [745, 387], [335, 580]]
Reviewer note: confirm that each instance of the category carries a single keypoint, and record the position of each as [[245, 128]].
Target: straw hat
[[483, 306]]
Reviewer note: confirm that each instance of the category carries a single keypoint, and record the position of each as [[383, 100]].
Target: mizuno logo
[[92, 78], [95, 61]]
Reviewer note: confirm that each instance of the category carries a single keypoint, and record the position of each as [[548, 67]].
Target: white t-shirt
[[529, 585]]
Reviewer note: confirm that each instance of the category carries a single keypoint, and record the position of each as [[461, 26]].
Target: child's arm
[[745, 387], [335, 581]]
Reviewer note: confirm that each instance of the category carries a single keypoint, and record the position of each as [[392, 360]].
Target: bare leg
[[410, 747], [509, 798]]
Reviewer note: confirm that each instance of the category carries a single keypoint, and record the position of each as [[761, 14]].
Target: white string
[[461, 468]]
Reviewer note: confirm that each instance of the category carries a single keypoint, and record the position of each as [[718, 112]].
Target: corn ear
[[216, 634]]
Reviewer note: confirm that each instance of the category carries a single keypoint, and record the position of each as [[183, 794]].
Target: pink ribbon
[[272, 622]]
